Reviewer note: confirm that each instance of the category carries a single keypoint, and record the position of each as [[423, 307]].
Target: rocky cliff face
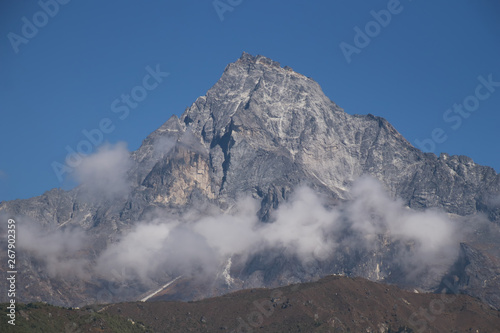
[[261, 131], [279, 125]]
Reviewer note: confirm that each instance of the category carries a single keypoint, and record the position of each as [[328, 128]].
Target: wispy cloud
[[303, 227], [420, 244], [104, 174], [57, 249]]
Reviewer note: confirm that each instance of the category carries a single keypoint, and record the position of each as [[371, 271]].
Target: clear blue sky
[[64, 78]]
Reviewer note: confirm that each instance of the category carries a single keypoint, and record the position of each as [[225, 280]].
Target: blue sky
[[61, 79]]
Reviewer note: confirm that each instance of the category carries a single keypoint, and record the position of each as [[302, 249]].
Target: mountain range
[[261, 182]]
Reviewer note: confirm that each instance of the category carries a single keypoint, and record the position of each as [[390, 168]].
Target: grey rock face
[[261, 130], [479, 272], [279, 125]]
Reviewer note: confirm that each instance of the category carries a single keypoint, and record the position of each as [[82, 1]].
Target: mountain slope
[[332, 304]]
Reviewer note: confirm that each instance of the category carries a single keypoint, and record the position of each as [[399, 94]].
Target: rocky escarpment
[[279, 125]]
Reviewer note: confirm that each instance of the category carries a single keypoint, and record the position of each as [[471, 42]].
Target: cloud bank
[[198, 243], [425, 242]]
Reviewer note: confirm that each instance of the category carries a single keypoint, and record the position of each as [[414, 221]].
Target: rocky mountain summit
[[265, 133]]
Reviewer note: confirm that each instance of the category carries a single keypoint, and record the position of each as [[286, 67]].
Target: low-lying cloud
[[59, 250], [198, 243], [429, 240], [426, 242], [104, 174]]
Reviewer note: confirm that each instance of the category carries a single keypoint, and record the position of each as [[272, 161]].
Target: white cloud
[[105, 172], [58, 249], [163, 145], [302, 227], [188, 140], [429, 239], [198, 243]]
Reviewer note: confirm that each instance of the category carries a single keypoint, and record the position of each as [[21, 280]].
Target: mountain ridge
[[331, 304]]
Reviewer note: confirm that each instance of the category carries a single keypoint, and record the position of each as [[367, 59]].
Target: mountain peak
[[263, 131], [247, 58], [261, 62]]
